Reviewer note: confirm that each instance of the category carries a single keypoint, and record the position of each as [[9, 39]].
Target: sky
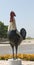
[[24, 10]]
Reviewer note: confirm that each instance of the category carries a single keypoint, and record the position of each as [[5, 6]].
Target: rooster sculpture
[[15, 37]]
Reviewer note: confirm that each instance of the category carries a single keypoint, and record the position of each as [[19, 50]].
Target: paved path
[[23, 62], [27, 46], [27, 62]]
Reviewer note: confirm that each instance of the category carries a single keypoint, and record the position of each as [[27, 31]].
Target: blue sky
[[24, 10]]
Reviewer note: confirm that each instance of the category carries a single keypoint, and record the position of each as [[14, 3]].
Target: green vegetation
[[3, 30], [29, 38]]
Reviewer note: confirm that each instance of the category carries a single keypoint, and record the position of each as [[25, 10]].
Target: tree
[[3, 30]]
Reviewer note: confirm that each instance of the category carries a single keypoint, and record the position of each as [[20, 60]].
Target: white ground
[[23, 62]]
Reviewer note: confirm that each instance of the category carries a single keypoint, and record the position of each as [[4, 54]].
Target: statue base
[[14, 62]]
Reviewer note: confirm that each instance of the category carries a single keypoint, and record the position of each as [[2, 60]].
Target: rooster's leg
[[16, 50], [12, 49]]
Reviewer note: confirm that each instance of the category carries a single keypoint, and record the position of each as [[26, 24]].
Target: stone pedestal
[[14, 62]]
